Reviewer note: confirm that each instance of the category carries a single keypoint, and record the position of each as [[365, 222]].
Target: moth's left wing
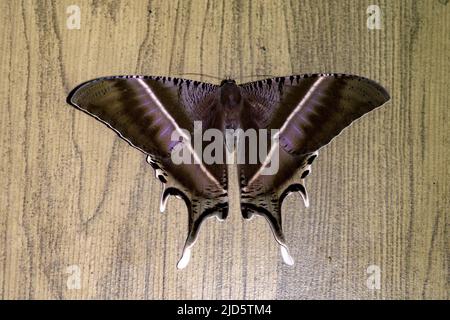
[[307, 111], [146, 111]]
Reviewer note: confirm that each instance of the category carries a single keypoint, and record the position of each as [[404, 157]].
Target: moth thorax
[[230, 95]]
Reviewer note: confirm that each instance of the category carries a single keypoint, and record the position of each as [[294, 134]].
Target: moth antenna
[[258, 76], [198, 74]]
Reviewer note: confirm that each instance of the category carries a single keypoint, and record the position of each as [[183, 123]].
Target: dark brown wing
[[146, 112], [309, 111]]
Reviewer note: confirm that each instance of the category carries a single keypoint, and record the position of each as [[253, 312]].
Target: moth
[[307, 111]]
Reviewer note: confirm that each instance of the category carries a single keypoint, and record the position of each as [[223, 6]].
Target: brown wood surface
[[73, 193]]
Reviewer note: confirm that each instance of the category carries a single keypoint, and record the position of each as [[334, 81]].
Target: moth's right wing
[[308, 111], [146, 111]]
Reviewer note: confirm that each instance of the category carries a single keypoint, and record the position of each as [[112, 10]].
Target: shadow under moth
[[292, 118]]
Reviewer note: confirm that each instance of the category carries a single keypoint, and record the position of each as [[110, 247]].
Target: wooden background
[[74, 194]]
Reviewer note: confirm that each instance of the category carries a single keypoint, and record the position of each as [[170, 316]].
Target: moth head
[[227, 81], [230, 95]]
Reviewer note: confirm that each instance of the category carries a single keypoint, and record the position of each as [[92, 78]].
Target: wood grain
[[73, 193]]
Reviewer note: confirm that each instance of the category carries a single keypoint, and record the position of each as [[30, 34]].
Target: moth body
[[230, 99]]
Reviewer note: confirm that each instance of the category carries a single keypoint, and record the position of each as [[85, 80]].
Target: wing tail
[[264, 197], [199, 209], [269, 207]]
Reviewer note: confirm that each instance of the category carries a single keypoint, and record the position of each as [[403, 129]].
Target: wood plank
[[74, 194]]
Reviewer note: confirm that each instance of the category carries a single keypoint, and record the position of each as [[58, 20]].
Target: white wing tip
[[306, 201], [305, 196], [184, 261], [286, 256], [163, 203]]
